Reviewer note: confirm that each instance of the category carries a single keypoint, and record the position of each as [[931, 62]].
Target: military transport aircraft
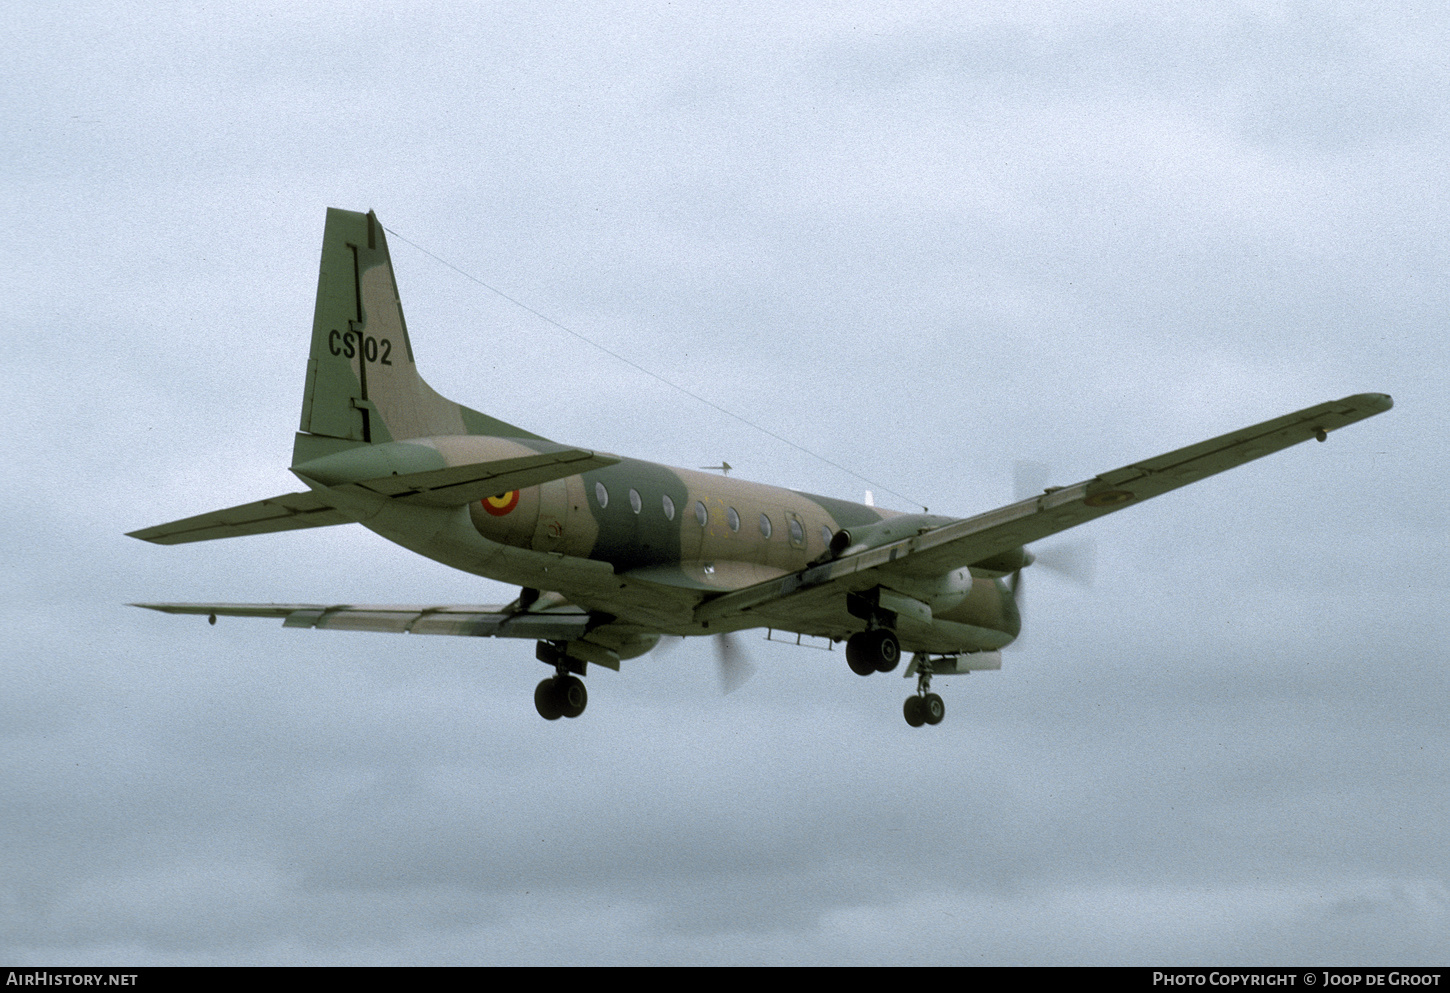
[[613, 553]]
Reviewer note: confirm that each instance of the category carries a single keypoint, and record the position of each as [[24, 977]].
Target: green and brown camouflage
[[610, 553], [367, 413]]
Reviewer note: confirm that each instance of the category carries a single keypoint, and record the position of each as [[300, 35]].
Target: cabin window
[[602, 495], [669, 506], [635, 503], [765, 525], [733, 518], [701, 514]]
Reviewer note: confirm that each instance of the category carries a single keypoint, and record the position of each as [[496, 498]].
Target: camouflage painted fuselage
[[646, 543], [642, 543]]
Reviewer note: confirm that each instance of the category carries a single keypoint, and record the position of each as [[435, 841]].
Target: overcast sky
[[922, 243]]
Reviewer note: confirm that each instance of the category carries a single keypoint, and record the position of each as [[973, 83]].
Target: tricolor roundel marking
[[501, 504]]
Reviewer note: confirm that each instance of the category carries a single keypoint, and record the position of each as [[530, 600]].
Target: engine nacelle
[[1004, 563], [941, 592]]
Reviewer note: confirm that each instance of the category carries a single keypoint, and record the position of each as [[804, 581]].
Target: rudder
[[362, 384]]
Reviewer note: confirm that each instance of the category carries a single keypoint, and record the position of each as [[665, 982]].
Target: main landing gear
[[562, 694], [872, 651]]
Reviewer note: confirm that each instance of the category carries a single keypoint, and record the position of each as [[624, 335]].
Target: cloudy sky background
[[922, 243]]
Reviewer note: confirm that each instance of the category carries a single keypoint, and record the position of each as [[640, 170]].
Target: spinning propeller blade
[[732, 667]]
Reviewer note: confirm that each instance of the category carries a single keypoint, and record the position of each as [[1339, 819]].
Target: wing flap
[[976, 538], [287, 512]]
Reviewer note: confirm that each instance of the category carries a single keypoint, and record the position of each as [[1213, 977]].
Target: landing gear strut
[[562, 694]]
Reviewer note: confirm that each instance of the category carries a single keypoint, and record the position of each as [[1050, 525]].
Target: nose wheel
[[925, 707], [928, 709]]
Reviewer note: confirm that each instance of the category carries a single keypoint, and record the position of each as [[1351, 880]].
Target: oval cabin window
[[765, 525], [602, 495], [635, 503], [669, 506]]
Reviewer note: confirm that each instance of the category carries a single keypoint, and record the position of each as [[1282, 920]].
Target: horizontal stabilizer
[[450, 487], [461, 484], [555, 624], [280, 513]]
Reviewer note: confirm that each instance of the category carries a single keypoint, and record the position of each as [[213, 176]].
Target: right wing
[[976, 539]]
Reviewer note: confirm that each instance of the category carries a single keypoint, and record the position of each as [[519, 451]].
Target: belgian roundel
[[501, 504]]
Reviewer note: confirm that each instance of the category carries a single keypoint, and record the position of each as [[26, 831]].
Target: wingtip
[[1376, 402]]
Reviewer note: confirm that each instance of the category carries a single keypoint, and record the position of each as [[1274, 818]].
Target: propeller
[[1074, 560], [733, 667]]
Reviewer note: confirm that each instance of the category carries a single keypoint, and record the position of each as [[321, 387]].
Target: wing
[[979, 538], [449, 487], [503, 621]]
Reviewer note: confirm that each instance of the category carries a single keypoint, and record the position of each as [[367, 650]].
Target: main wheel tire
[[915, 711], [860, 653], [547, 701], [572, 696], [934, 708], [888, 651]]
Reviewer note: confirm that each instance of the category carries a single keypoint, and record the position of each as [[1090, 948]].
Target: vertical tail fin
[[362, 385]]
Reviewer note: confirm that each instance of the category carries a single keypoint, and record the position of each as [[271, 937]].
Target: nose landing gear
[[925, 707]]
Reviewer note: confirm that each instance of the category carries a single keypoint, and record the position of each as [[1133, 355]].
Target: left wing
[[979, 538]]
